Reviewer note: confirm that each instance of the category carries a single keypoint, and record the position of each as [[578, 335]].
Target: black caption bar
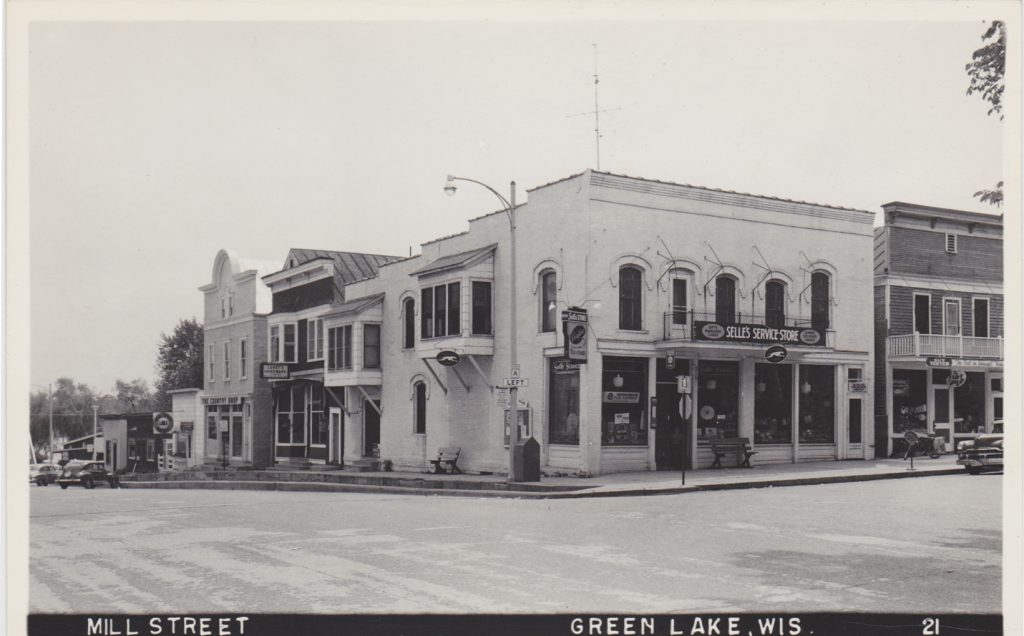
[[824, 624]]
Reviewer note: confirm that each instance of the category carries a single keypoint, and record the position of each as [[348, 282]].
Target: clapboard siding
[[901, 310], [880, 247], [563, 458], [923, 252], [622, 460]]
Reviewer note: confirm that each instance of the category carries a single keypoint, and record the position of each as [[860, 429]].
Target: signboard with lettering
[[274, 371], [946, 363], [574, 330], [162, 423], [564, 365], [857, 386], [187, 427], [224, 399], [757, 334], [620, 397]]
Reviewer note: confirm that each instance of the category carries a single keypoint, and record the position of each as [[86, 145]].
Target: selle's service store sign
[[757, 334]]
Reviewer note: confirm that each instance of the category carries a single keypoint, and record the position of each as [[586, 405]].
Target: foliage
[[134, 396], [72, 411], [179, 361], [987, 66], [986, 73]]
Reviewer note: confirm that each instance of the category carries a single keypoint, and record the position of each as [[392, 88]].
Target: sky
[[154, 144]]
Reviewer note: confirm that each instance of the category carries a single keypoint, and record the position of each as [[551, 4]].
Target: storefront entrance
[[371, 428], [672, 416]]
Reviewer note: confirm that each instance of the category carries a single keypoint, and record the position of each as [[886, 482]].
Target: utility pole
[[49, 388], [95, 441]]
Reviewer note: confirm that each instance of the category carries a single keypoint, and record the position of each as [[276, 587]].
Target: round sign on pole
[[911, 437], [957, 378], [163, 423]]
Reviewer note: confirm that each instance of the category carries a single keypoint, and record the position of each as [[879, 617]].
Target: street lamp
[[509, 206]]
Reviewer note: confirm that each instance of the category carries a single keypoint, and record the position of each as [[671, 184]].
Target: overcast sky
[[153, 145]]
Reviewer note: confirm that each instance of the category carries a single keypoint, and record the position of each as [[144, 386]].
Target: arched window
[[819, 300], [775, 304], [409, 323], [630, 298], [548, 300], [725, 300], [419, 408]]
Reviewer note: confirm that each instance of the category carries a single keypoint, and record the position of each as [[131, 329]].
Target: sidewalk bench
[[738, 446], [447, 460]]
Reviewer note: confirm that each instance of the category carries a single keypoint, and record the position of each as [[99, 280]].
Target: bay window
[[339, 348], [440, 313]]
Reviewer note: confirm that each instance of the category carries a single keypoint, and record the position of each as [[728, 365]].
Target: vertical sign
[[574, 328]]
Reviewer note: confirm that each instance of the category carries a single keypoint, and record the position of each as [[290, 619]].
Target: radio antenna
[[596, 113]]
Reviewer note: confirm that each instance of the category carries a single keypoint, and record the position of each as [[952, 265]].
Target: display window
[[909, 401], [624, 400], [817, 404], [718, 399], [773, 403], [563, 404]]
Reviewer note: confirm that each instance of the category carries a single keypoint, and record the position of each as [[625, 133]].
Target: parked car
[[984, 452], [86, 474], [43, 474]]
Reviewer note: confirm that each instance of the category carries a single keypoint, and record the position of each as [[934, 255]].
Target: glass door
[[334, 447]]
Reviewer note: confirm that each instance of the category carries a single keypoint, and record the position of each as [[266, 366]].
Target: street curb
[[595, 492]]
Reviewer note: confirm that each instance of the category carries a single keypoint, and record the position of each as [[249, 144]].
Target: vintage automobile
[[86, 474], [43, 474], [984, 452]]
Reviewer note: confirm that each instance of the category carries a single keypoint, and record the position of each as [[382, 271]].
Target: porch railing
[[923, 344]]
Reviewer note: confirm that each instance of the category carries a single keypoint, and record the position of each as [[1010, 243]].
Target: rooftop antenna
[[596, 113]]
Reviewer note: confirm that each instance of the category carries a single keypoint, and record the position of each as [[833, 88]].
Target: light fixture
[[805, 388], [711, 384], [761, 386], [617, 381], [449, 186]]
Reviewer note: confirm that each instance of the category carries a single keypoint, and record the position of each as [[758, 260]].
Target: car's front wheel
[[88, 484], [63, 486], [974, 470], [40, 482]]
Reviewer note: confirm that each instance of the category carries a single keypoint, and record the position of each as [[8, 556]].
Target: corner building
[[939, 324], [684, 288]]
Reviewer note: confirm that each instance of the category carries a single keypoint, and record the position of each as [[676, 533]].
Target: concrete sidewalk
[[611, 485]]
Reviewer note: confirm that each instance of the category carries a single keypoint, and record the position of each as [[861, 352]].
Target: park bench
[[447, 460], [738, 446]]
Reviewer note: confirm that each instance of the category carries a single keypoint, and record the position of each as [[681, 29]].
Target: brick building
[[938, 298]]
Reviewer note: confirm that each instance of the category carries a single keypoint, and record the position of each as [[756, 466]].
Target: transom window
[[439, 312]]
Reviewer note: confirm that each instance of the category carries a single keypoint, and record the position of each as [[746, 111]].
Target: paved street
[[912, 545]]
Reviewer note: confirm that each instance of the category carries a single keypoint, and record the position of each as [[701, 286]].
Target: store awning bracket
[[476, 365], [344, 407], [461, 381], [369, 400], [434, 373]]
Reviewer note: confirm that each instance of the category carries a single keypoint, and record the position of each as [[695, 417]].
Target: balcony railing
[[923, 344]]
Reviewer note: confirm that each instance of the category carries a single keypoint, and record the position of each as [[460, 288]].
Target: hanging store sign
[[162, 423], [775, 353], [274, 371], [621, 397], [957, 378], [757, 334], [563, 365], [225, 399], [448, 358], [574, 330]]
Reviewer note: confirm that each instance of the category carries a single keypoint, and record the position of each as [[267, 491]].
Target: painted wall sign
[[162, 423], [448, 358], [756, 334], [224, 399], [274, 371], [856, 386], [776, 353], [621, 397], [574, 330]]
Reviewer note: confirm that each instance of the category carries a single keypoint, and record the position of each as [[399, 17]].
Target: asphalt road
[[930, 544]]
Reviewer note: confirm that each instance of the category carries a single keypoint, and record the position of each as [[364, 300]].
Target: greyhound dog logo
[[775, 354]]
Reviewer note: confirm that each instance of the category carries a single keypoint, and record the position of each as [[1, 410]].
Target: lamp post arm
[[504, 202]]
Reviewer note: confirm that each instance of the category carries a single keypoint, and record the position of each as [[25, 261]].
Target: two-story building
[[938, 323], [706, 314], [310, 343], [238, 424]]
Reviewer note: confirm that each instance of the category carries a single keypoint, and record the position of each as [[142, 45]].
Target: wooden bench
[[447, 460], [738, 446]]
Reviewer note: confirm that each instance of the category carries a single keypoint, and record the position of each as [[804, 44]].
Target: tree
[[179, 361], [72, 411], [134, 396], [985, 72]]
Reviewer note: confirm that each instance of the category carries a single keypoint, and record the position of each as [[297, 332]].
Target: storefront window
[[717, 400], [623, 402], [564, 403], [909, 401], [969, 405], [817, 404], [773, 403]]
